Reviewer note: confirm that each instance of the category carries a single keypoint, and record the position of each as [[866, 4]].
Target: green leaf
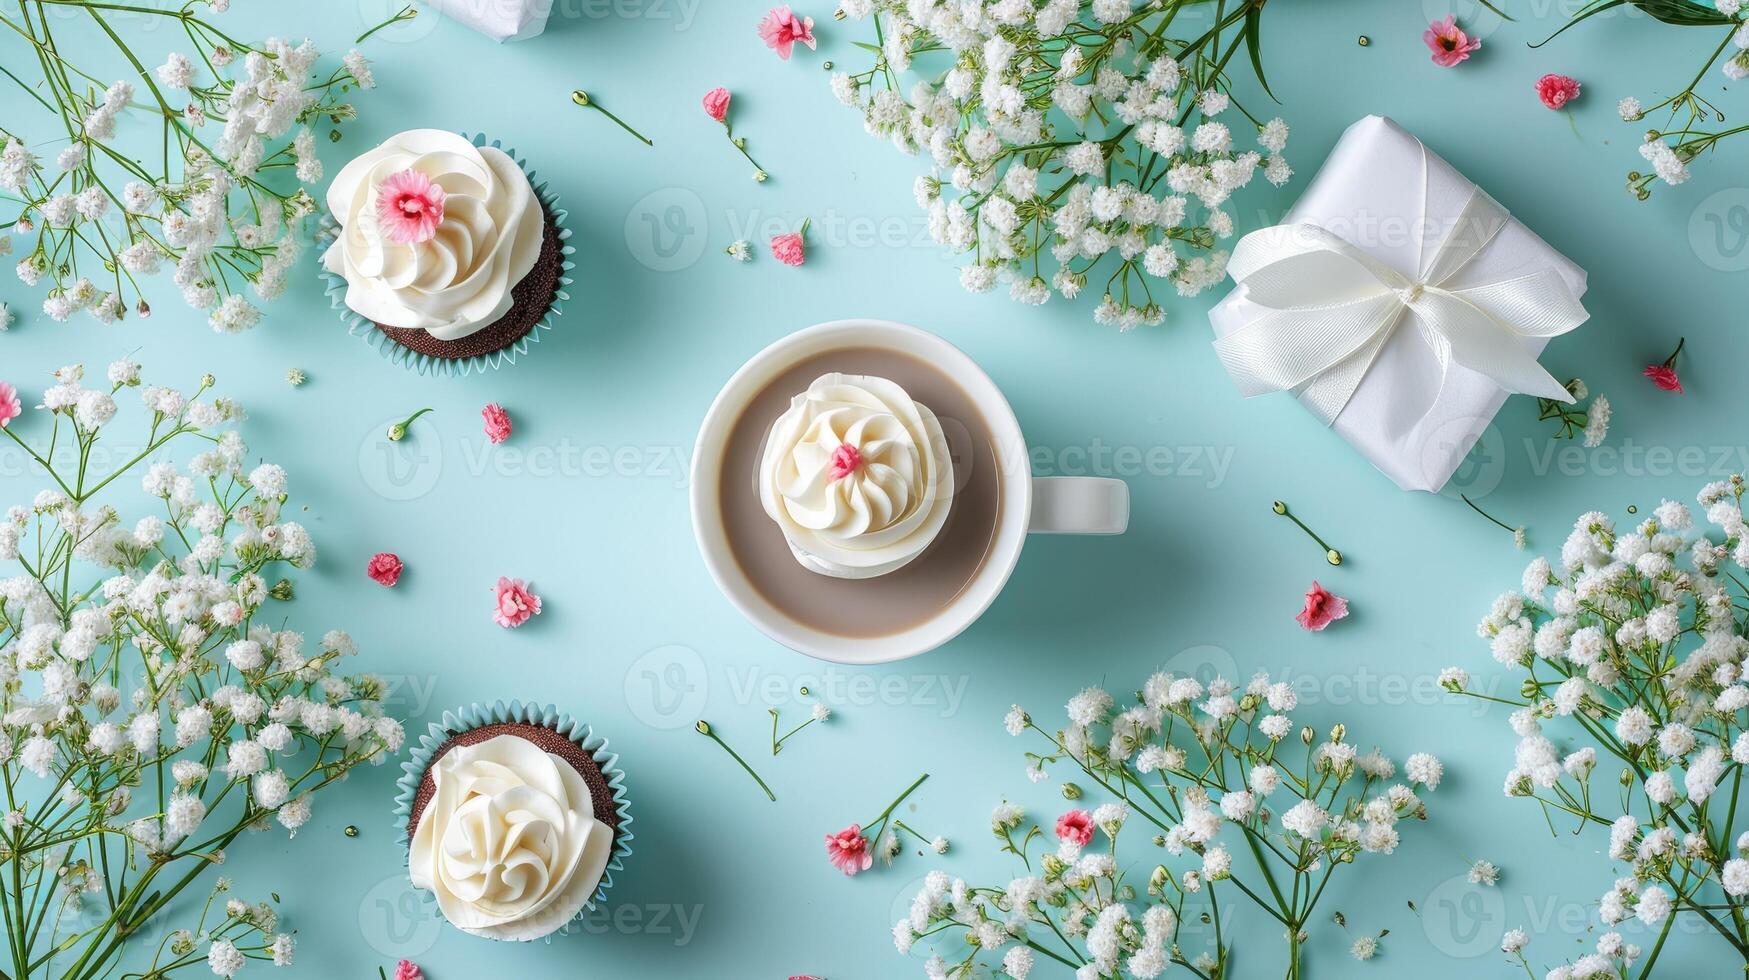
[[1686, 13], [1682, 13], [867, 46], [1590, 10], [1503, 14], [1253, 43]]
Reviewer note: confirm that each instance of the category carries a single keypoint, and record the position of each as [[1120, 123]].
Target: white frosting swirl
[[459, 281], [857, 475], [509, 842]]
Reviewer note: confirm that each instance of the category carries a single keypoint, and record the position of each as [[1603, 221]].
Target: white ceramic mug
[[1039, 505]]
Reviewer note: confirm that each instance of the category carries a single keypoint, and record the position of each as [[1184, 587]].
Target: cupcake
[[857, 475], [515, 818], [448, 257]]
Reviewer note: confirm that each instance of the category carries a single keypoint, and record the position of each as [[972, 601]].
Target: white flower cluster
[[1635, 639], [1052, 134], [218, 212], [145, 676], [1206, 766], [1683, 137]]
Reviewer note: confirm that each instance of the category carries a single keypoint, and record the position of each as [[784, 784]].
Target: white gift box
[[1414, 417], [500, 20]]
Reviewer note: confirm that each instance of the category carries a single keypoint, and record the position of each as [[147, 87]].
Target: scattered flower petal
[[516, 604], [848, 849], [497, 422], [1448, 42], [384, 568], [781, 29], [1556, 91], [1322, 608]]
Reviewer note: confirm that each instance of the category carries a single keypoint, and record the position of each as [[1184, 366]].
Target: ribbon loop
[[1328, 308]]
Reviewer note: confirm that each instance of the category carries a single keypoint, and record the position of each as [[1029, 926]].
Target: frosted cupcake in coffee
[[857, 475]]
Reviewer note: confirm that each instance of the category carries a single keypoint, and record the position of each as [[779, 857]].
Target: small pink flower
[[1323, 607], [1448, 42], [1556, 90], [10, 406], [409, 207], [497, 423], [408, 970], [791, 249], [781, 29], [845, 459], [716, 104], [516, 604], [384, 569], [1664, 377], [848, 849], [1075, 827]]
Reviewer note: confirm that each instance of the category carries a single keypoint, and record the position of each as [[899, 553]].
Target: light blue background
[[1206, 576]]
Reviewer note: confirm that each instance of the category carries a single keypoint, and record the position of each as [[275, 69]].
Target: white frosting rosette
[[508, 842], [459, 280], [857, 475]]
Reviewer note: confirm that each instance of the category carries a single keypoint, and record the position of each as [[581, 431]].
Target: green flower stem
[[740, 143], [399, 430], [880, 822], [907, 828], [704, 728], [406, 13], [776, 740], [1496, 521], [583, 98], [1670, 361], [1331, 555]]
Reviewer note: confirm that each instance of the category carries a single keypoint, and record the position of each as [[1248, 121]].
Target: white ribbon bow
[[1329, 308]]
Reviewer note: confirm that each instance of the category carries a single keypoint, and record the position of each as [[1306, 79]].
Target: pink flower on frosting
[[716, 104], [845, 459], [781, 29], [497, 422], [10, 407], [516, 604], [1448, 42], [1556, 90], [409, 207], [384, 568], [848, 849], [1322, 608], [1075, 827], [408, 970]]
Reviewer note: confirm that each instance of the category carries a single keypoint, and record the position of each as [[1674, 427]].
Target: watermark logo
[[1203, 662], [404, 470], [1482, 450], [396, 921], [668, 687], [666, 230], [1718, 230], [1462, 919]]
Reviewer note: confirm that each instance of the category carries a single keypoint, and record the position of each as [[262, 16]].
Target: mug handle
[[1079, 505]]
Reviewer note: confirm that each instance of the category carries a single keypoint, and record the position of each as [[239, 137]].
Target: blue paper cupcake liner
[[499, 713], [358, 326]]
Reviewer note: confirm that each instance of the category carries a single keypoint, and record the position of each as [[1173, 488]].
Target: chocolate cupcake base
[[530, 300], [548, 729], [538, 302], [547, 740]]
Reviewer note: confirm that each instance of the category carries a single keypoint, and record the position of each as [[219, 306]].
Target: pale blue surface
[[641, 352]]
